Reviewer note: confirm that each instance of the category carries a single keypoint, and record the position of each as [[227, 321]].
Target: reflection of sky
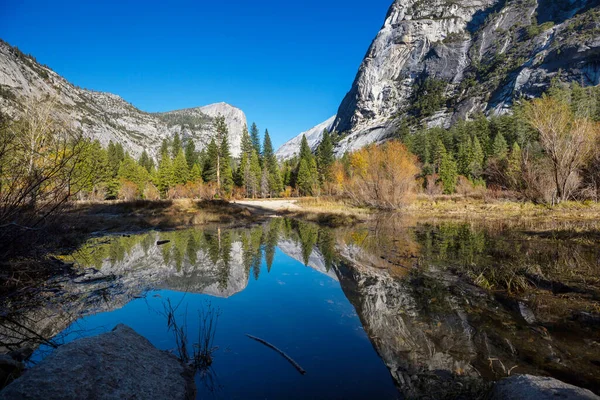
[[301, 311]]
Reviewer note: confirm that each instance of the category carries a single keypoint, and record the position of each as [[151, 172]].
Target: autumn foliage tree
[[568, 141], [381, 176]]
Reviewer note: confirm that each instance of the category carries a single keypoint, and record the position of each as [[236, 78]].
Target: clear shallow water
[[383, 310], [300, 310]]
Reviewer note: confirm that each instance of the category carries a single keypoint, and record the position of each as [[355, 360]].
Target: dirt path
[[268, 206]]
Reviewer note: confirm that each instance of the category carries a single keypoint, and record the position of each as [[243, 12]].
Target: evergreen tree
[[478, 159], [165, 177], [255, 138], [264, 182], [196, 174], [465, 157], [275, 185], [181, 173], [268, 154], [146, 162], [246, 143], [448, 173], [209, 173], [325, 158], [439, 152], [92, 171], [500, 147], [191, 156], [305, 152], [131, 171], [304, 179], [226, 173], [164, 148], [250, 171], [116, 155], [176, 145]]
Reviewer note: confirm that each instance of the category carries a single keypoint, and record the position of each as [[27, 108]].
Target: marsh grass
[[200, 358]]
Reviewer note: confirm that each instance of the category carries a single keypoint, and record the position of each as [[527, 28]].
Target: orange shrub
[[151, 192], [128, 191], [381, 176]]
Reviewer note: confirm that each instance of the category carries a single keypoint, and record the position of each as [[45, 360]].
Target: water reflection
[[447, 306]]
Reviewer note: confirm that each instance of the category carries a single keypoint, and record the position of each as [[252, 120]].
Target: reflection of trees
[[326, 245], [224, 268], [271, 239], [308, 234]]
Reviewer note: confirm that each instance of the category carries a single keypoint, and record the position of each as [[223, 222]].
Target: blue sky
[[286, 64]]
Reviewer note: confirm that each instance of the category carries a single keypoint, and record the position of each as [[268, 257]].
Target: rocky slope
[[106, 116], [314, 135], [441, 60]]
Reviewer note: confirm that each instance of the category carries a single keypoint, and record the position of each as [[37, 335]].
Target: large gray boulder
[[116, 365], [529, 387]]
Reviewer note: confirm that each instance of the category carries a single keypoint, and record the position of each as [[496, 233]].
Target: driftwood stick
[[290, 360]]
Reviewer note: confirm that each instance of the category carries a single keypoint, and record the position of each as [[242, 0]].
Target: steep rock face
[[106, 116], [314, 136], [483, 53]]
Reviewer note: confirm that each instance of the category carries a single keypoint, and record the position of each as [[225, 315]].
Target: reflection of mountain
[[208, 278], [438, 333], [316, 260]]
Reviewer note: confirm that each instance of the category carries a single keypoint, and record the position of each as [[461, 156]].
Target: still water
[[384, 310]]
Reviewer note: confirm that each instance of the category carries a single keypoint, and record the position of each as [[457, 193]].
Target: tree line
[[181, 171], [546, 150]]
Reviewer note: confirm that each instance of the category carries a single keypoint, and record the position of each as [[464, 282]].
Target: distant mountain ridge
[[313, 136], [106, 116]]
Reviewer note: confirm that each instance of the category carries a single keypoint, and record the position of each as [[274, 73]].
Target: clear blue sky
[[287, 64]]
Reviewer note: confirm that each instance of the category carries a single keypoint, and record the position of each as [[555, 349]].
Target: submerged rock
[[529, 387], [115, 365]]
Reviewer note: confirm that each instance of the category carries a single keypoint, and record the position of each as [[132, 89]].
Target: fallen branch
[[291, 361]]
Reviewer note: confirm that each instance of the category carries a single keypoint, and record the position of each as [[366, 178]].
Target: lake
[[386, 309]]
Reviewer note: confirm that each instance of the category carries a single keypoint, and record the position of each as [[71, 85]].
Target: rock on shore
[[115, 365]]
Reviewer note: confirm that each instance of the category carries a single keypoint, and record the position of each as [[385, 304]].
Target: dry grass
[[462, 207], [329, 211]]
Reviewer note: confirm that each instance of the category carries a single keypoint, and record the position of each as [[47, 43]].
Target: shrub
[[128, 191], [381, 176], [151, 192]]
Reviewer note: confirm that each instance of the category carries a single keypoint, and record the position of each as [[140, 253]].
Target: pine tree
[[115, 156], [164, 148], [146, 162], [209, 173], [304, 179], [264, 182], [465, 157], [255, 138], [478, 159], [305, 152], [176, 145], [226, 173], [253, 174], [448, 173], [181, 173], [325, 158], [246, 143], [439, 152], [196, 174], [270, 163], [500, 147], [165, 176], [131, 171], [191, 156]]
